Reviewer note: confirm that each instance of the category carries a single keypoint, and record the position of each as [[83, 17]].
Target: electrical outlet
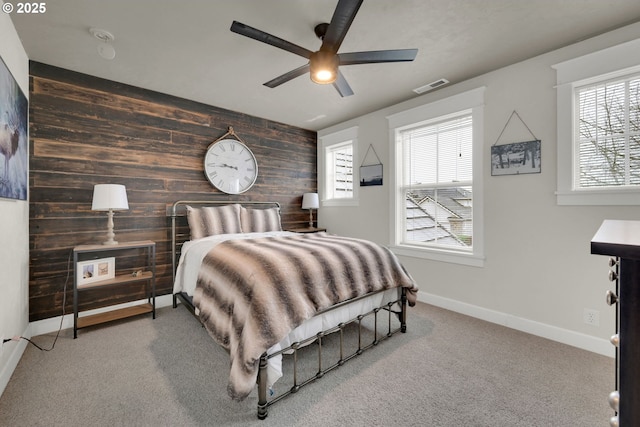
[[591, 317]]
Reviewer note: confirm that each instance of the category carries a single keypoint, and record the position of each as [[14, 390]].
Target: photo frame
[[95, 270], [371, 175], [517, 158], [14, 125]]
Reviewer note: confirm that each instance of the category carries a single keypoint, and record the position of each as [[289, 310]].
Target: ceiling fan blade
[[376, 56], [340, 22], [287, 76], [342, 86], [267, 38]]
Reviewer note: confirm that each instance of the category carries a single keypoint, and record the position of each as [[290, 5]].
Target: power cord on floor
[[17, 338], [64, 303]]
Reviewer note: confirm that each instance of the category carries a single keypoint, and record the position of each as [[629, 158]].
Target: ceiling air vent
[[431, 86]]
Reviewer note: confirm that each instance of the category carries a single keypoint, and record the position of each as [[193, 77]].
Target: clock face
[[230, 166]]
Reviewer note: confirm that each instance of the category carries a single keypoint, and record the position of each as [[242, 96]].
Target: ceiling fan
[[323, 64]]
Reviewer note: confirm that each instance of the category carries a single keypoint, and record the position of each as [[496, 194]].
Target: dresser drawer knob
[[612, 298], [614, 400], [615, 340], [612, 262], [612, 276], [613, 422]]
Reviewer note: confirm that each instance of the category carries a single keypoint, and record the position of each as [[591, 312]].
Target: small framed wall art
[[95, 270], [371, 174], [516, 158]]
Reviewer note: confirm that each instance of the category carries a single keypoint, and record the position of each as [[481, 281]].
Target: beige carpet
[[447, 370]]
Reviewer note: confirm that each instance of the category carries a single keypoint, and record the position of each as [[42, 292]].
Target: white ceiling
[[185, 48]]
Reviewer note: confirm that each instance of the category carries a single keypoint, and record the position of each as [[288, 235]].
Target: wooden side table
[[92, 261]]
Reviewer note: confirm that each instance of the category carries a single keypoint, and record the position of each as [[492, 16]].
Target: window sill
[[453, 257], [598, 198], [340, 202]]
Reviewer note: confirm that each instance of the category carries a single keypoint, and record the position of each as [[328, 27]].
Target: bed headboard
[[180, 229]]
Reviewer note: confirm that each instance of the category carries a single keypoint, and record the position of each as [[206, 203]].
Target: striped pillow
[[260, 220], [208, 221]]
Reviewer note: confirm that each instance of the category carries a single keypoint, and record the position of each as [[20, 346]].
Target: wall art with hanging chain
[[516, 158], [371, 174]]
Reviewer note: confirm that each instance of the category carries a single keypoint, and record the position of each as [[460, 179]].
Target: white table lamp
[[310, 201], [110, 197]]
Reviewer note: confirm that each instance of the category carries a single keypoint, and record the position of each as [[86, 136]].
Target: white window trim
[[605, 64], [474, 100], [337, 138]]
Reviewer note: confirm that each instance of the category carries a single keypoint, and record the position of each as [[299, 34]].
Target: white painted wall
[[539, 274], [14, 229]]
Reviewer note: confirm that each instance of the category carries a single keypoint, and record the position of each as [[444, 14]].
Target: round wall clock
[[230, 166]]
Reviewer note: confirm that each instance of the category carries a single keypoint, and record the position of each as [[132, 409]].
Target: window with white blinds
[[437, 182], [598, 115], [608, 137], [340, 171], [336, 156]]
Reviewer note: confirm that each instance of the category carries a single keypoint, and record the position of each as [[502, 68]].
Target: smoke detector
[[431, 86], [105, 49]]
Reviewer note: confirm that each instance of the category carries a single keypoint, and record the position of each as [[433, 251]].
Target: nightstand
[[95, 270], [307, 230]]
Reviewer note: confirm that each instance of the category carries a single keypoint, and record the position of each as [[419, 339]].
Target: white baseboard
[[565, 336], [12, 361]]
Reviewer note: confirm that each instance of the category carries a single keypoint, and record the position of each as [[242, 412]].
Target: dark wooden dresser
[[620, 240]]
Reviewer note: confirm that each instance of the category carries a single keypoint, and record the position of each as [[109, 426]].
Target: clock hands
[[223, 165]]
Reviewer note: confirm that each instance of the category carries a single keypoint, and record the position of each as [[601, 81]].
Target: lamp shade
[[109, 197], [310, 201]]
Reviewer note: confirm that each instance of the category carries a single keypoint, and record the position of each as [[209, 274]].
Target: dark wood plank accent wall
[[85, 130]]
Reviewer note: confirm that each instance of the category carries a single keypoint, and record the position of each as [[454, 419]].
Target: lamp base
[[110, 233]]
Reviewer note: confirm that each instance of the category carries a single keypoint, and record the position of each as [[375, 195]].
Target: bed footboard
[[263, 401]]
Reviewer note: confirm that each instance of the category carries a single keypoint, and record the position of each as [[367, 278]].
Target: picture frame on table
[[95, 270]]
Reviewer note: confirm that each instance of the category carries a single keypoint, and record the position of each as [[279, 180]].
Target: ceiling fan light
[[323, 67], [324, 76]]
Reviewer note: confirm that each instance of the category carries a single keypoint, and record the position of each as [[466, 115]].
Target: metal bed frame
[[177, 239]]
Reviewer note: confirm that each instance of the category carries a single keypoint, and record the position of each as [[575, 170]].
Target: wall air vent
[[431, 86]]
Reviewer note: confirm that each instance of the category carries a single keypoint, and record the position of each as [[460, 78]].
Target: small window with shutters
[[340, 171], [337, 153]]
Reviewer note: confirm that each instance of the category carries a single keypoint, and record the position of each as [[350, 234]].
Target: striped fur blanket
[[252, 293]]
